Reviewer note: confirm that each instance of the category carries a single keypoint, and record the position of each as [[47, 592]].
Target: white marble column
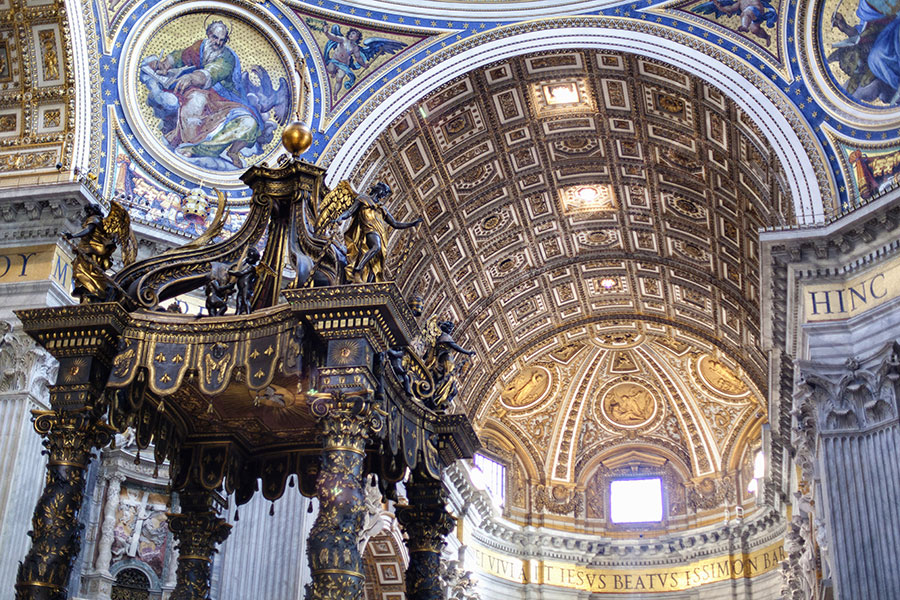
[[265, 555], [25, 372], [107, 533]]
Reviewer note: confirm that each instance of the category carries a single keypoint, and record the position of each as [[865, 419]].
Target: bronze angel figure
[[365, 239], [97, 241]]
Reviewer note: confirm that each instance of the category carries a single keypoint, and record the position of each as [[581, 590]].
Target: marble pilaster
[[848, 443], [25, 372]]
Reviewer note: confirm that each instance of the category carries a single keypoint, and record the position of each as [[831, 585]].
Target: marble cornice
[[119, 462], [491, 531], [842, 246]]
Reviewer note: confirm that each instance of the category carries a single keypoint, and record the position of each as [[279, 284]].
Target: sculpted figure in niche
[[526, 387]]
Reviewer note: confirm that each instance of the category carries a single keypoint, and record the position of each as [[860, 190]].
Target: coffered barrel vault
[[596, 214]]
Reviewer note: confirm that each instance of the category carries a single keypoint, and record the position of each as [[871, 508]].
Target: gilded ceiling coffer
[[290, 386]]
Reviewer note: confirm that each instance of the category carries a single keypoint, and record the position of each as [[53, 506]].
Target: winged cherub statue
[[97, 241]]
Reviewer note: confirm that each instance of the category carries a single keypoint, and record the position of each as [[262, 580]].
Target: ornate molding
[[25, 366], [857, 396]]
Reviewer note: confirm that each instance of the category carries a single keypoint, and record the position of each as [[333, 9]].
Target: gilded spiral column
[[426, 522], [197, 529], [83, 339], [70, 437], [332, 547]]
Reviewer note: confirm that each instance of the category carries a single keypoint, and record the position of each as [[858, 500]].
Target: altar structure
[[190, 387], [377, 300]]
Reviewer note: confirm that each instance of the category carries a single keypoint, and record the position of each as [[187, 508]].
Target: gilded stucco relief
[[37, 98]]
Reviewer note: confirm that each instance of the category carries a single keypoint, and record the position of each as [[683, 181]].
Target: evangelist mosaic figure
[[870, 54], [211, 112]]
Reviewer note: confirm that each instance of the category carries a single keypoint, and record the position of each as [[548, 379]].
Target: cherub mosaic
[[209, 92], [351, 52], [758, 18], [859, 45]]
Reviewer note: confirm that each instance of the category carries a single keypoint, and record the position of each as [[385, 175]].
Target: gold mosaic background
[[251, 47]]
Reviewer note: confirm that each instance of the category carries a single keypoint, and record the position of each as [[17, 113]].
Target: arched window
[[493, 473], [131, 584]]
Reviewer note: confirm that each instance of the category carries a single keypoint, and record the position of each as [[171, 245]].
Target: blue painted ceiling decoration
[[191, 93]]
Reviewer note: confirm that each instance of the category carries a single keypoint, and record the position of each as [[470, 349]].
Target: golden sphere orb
[[297, 138]]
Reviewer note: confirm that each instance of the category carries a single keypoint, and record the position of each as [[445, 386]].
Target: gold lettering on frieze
[[630, 581], [845, 299]]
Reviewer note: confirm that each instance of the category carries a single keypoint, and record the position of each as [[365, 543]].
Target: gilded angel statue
[[97, 241], [365, 239]]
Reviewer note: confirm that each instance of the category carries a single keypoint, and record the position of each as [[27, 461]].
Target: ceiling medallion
[[719, 378], [207, 90], [527, 389], [629, 405]]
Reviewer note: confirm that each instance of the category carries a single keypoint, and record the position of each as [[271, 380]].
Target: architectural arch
[[797, 150]]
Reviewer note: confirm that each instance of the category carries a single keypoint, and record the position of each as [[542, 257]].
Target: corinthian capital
[[24, 366]]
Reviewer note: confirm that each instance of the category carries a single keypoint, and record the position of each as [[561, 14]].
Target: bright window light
[[636, 500], [494, 473], [759, 471], [759, 465]]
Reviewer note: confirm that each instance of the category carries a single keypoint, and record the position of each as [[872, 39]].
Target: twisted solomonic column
[[427, 523]]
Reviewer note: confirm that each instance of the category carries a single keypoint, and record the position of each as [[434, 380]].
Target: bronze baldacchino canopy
[[321, 377]]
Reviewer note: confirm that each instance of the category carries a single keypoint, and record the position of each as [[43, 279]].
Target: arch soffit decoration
[[798, 151], [682, 344], [486, 9]]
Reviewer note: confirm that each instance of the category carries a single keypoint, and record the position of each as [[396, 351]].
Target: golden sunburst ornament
[[75, 370]]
